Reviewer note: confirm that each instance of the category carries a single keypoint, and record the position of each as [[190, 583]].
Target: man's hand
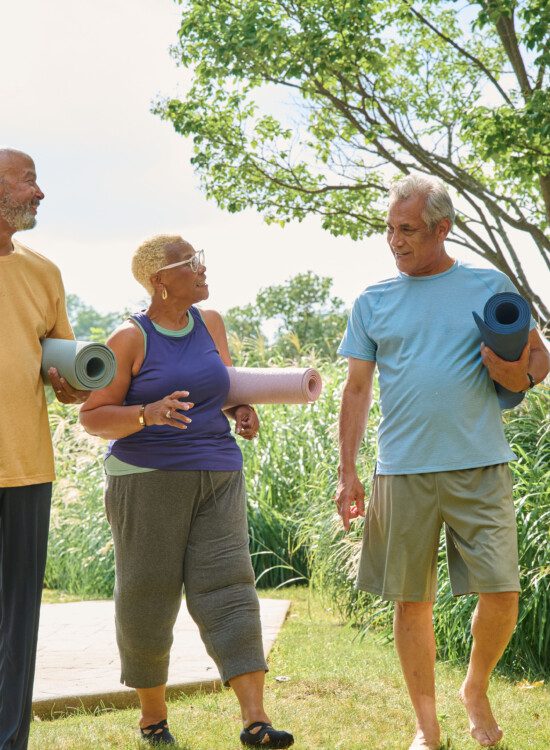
[[350, 498], [65, 393], [511, 375], [247, 423]]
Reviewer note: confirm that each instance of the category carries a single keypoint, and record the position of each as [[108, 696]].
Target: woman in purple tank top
[[175, 495]]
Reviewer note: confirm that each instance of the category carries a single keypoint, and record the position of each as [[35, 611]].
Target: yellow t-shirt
[[32, 307]]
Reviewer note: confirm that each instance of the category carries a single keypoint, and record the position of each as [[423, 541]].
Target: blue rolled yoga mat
[[505, 330], [84, 365]]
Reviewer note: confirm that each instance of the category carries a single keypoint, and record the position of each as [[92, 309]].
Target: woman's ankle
[[146, 720], [253, 716]]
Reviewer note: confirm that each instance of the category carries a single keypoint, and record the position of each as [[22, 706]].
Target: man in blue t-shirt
[[442, 454]]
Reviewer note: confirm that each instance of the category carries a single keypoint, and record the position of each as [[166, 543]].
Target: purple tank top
[[185, 363]]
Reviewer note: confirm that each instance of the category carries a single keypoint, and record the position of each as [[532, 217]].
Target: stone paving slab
[[78, 666]]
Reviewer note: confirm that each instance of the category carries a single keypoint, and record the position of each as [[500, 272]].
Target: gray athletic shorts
[[174, 530], [402, 530]]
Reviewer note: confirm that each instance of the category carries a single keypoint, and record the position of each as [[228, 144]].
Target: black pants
[[24, 522]]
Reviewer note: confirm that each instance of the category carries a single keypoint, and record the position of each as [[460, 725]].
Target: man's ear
[[443, 228]]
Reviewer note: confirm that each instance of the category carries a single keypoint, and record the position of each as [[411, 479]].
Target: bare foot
[[483, 725], [426, 741]]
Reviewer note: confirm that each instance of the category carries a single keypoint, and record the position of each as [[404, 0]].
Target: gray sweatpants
[[174, 529]]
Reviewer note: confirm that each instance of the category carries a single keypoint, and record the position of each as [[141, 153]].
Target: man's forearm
[[539, 364], [353, 421], [534, 360]]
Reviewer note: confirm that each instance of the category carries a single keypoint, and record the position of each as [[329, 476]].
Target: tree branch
[[519, 270], [463, 52], [506, 30]]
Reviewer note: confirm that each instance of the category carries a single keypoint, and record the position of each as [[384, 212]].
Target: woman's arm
[[216, 328], [247, 423], [104, 415]]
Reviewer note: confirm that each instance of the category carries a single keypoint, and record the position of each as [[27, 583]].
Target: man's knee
[[503, 601], [412, 610]]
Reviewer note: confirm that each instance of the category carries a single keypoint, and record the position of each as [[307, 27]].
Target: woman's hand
[[247, 423], [166, 411]]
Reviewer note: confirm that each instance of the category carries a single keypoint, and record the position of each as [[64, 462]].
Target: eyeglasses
[[194, 262]]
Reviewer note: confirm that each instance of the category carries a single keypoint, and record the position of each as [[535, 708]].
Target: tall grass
[[80, 552], [294, 534], [528, 431]]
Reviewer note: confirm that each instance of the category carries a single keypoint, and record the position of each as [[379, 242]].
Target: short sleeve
[[61, 328], [356, 342]]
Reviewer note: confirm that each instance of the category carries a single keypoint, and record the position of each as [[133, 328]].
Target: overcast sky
[[77, 85]]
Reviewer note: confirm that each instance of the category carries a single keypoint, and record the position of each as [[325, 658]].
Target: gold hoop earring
[[164, 293]]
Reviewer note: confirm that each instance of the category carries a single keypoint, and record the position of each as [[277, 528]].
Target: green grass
[[344, 693], [54, 596]]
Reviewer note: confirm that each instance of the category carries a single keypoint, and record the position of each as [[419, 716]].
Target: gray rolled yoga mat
[[505, 330], [84, 365]]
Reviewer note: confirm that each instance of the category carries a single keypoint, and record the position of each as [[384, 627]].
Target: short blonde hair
[[150, 256]]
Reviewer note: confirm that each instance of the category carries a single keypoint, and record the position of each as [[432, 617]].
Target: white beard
[[19, 217]]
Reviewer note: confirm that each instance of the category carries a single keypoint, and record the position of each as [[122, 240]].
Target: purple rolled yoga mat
[[273, 385]]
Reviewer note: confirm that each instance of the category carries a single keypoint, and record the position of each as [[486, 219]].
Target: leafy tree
[[247, 343], [308, 318], [89, 324], [459, 91], [244, 322], [308, 315]]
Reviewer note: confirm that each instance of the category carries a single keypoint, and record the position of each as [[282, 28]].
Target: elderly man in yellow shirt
[[32, 307]]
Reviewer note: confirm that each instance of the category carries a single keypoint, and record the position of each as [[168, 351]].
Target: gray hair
[[438, 201]]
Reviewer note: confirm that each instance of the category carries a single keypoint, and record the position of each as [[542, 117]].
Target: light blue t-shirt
[[439, 406]]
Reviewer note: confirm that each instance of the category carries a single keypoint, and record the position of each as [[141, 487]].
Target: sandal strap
[[262, 724], [277, 738], [152, 728]]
